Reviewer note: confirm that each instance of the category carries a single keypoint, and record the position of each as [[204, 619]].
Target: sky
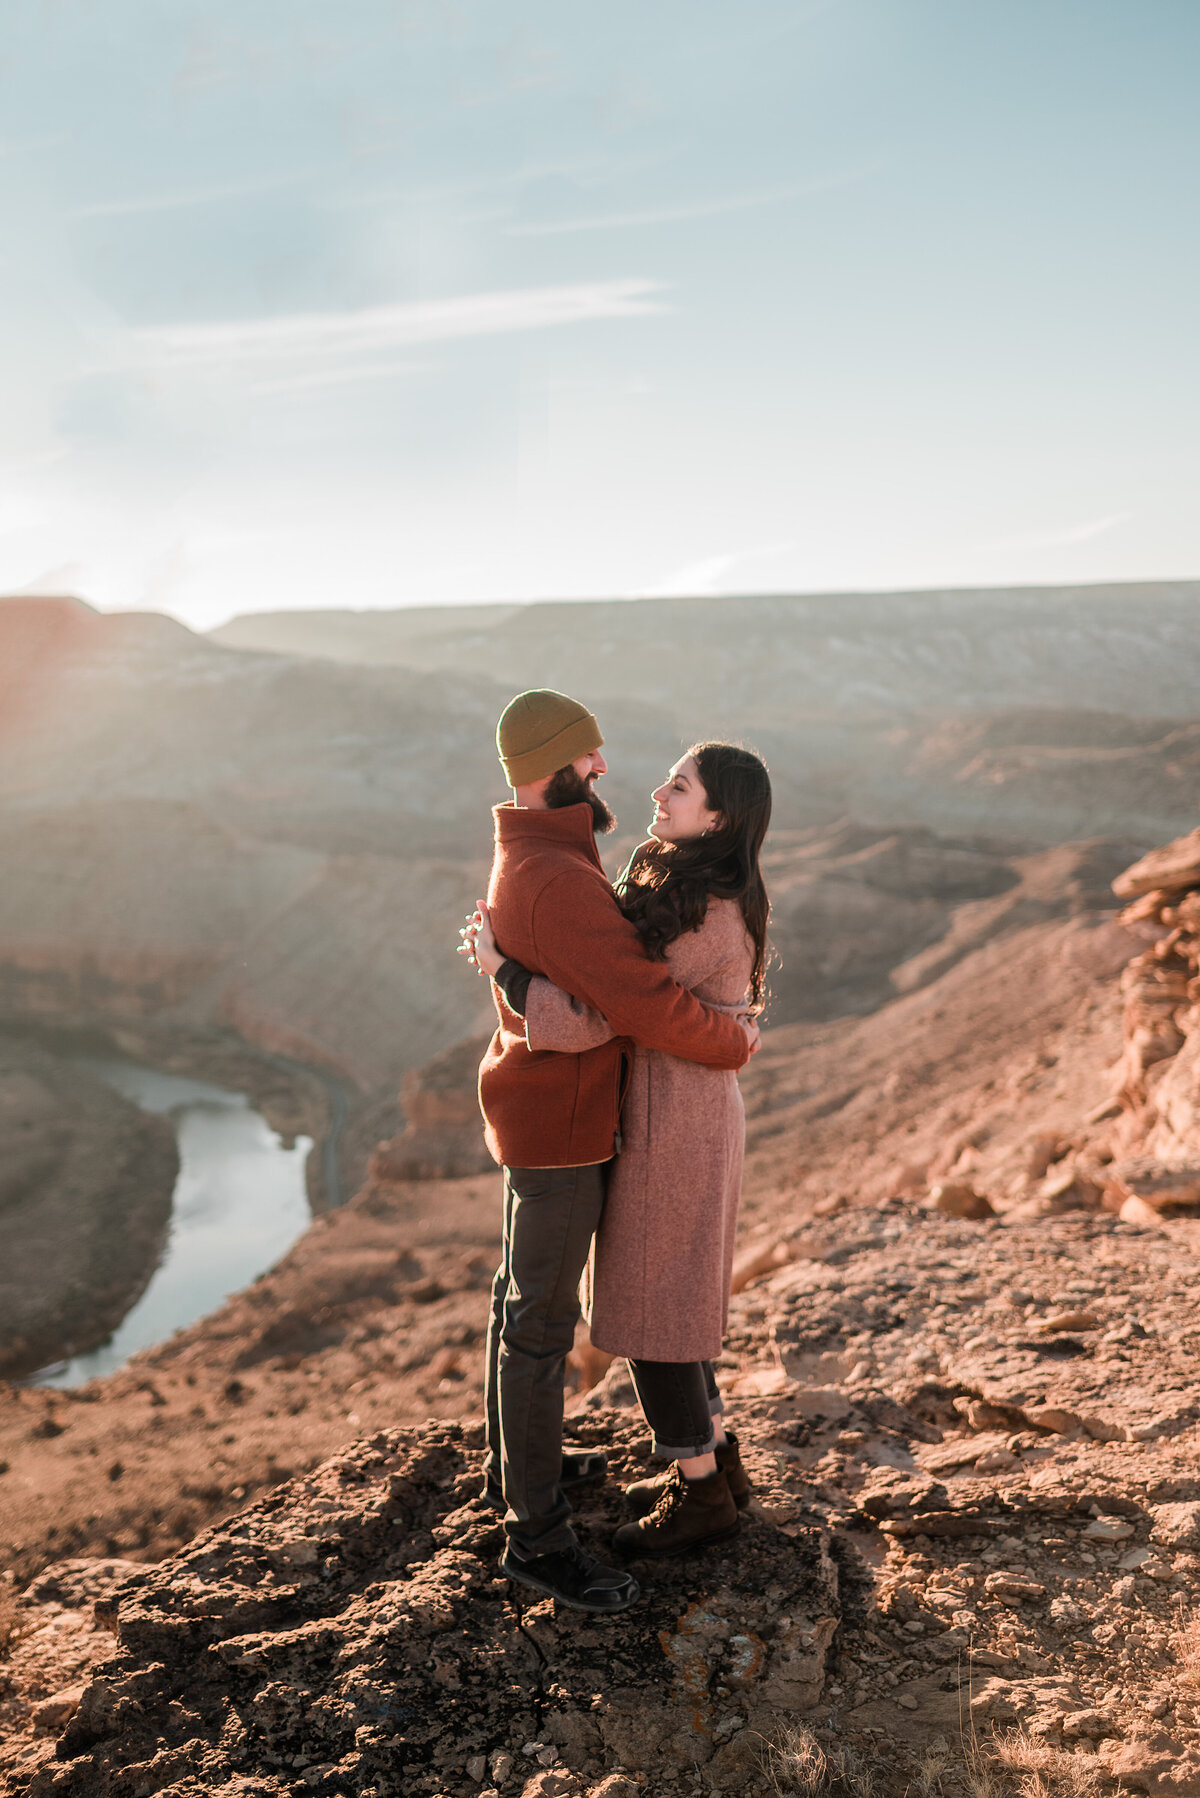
[[339, 303]]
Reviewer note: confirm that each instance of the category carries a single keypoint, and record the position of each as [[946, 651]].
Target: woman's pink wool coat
[[663, 1255]]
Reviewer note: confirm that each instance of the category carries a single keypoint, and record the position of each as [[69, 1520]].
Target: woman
[[663, 1255]]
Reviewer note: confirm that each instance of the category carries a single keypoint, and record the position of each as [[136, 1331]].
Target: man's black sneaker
[[585, 1467], [573, 1578], [582, 1467]]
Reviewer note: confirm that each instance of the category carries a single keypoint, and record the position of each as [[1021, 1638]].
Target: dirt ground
[[992, 1421]]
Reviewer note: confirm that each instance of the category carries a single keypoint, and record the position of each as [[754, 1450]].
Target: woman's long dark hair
[[666, 888]]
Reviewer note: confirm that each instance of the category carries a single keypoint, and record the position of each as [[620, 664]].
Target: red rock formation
[[1156, 1082], [442, 1136]]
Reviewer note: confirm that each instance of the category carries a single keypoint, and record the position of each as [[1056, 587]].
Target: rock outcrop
[[350, 1634], [1157, 1080], [442, 1137], [989, 1429]]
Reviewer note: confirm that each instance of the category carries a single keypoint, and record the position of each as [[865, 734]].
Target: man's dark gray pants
[[550, 1217]]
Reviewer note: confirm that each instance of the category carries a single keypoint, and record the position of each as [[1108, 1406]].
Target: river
[[239, 1203]]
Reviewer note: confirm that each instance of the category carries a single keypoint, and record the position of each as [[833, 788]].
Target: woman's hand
[[467, 946], [479, 941]]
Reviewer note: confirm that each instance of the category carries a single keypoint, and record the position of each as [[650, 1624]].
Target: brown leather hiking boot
[[644, 1494], [688, 1514]]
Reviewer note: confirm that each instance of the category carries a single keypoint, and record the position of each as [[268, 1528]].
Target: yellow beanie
[[540, 732]]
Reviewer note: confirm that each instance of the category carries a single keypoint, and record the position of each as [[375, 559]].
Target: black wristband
[[513, 980]]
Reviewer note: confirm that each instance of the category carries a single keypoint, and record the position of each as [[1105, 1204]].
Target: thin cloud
[[582, 169], [64, 577], [30, 464], [335, 377], [21, 146], [202, 196], [706, 575], [300, 336], [701, 209], [692, 580], [1075, 533]]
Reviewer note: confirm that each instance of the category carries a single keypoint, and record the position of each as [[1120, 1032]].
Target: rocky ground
[[961, 1361], [375, 1316], [977, 1508], [351, 1634]]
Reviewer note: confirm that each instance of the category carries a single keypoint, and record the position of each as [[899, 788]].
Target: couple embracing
[[610, 1099]]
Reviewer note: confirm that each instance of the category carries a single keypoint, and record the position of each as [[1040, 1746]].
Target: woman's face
[[681, 805]]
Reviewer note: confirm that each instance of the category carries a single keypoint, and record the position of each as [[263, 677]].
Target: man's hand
[[754, 1035]]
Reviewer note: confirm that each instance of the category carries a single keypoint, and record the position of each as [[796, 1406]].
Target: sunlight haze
[[400, 304]]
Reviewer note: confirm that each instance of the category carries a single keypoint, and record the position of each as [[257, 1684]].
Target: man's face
[[590, 767], [574, 785]]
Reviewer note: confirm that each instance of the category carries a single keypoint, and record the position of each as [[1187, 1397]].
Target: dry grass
[[1045, 1772], [1014, 1765], [797, 1766], [1185, 1640], [10, 1616], [12, 1622], [937, 1763]]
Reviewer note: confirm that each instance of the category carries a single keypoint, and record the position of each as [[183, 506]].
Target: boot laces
[[673, 1493]]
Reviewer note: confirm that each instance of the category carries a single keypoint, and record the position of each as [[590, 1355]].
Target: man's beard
[[568, 788]]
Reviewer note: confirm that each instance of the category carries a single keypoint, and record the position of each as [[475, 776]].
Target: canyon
[[961, 1353], [85, 1196]]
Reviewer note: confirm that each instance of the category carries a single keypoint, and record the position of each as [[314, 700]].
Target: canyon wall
[[86, 1180], [210, 849], [1044, 715], [281, 845]]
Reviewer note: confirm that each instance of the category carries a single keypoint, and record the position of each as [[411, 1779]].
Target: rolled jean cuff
[[676, 1399], [683, 1451]]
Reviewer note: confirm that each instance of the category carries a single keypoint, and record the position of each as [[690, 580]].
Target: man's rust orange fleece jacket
[[554, 911]]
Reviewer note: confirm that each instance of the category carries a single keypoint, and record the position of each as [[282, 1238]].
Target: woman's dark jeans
[[679, 1401]]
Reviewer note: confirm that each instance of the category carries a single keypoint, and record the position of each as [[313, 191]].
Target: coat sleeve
[[553, 1020], [584, 945]]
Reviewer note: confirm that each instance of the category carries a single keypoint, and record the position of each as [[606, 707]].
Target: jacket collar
[[570, 826]]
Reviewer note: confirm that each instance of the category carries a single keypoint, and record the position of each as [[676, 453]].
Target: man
[[552, 1121]]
